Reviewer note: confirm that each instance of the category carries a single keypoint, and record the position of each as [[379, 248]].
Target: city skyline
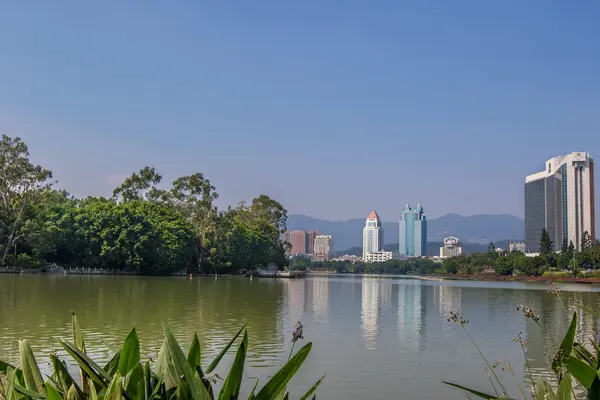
[[251, 96]]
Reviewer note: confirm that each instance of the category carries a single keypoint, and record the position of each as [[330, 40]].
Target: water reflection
[[371, 298], [392, 333], [411, 316]]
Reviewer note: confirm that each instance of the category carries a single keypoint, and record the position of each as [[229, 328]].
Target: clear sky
[[331, 107]]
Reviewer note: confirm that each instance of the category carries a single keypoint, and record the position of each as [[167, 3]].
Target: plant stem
[[291, 351], [517, 381], [528, 369], [485, 359]]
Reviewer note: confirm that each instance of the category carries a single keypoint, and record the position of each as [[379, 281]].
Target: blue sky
[[332, 108]]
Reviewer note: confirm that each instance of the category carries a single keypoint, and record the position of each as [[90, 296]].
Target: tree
[[194, 196], [21, 183], [491, 247], [545, 243], [586, 240], [140, 186]]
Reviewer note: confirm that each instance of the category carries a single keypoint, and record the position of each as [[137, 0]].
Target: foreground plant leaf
[[114, 390], [130, 355], [52, 393], [31, 372], [194, 355], [27, 392], [233, 382], [312, 389], [277, 384], [475, 392], [564, 388], [566, 347], [78, 341], [92, 369], [61, 375], [182, 367], [219, 356], [581, 371]]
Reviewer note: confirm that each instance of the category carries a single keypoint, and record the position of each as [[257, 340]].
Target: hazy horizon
[[331, 109]]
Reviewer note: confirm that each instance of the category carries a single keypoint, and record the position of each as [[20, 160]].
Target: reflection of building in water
[[295, 290], [320, 295], [370, 310], [410, 314], [449, 299], [385, 293]]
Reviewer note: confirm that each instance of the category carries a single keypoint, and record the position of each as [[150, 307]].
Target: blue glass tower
[[413, 232]]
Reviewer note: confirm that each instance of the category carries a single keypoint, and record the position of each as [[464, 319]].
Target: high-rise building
[[413, 232], [372, 235], [310, 241], [560, 199], [451, 248], [323, 248], [297, 239]]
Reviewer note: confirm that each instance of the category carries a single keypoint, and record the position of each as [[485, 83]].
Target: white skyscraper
[[372, 235], [560, 199]]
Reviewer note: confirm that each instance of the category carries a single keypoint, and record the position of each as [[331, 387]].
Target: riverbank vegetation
[[567, 263], [145, 227], [172, 376]]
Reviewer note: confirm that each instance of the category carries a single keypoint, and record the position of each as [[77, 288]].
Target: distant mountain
[[476, 229]]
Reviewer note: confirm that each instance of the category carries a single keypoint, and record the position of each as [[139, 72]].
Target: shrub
[[174, 376]]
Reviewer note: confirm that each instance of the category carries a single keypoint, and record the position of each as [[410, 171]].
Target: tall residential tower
[[560, 199], [413, 232], [372, 235]]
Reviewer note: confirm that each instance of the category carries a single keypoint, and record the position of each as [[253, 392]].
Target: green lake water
[[374, 337]]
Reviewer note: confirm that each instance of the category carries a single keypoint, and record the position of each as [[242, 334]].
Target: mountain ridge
[[476, 229]]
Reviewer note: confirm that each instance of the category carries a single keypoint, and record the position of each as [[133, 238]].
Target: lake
[[374, 337]]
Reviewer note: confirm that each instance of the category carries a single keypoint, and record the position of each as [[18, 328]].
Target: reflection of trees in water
[[553, 324], [38, 307]]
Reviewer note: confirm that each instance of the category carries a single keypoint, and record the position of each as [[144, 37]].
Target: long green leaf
[[113, 365], [252, 396], [233, 382], [130, 355], [194, 355], [475, 392], [581, 371], [79, 343], [564, 388], [4, 366], [219, 356], [27, 392], [72, 393], [92, 369], [132, 380], [11, 377], [182, 366], [61, 375], [585, 354], [165, 368], [52, 393], [312, 389], [566, 347], [31, 372], [115, 389], [93, 392], [277, 384]]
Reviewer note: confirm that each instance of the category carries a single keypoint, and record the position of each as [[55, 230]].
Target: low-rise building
[[451, 248], [378, 256], [517, 246]]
